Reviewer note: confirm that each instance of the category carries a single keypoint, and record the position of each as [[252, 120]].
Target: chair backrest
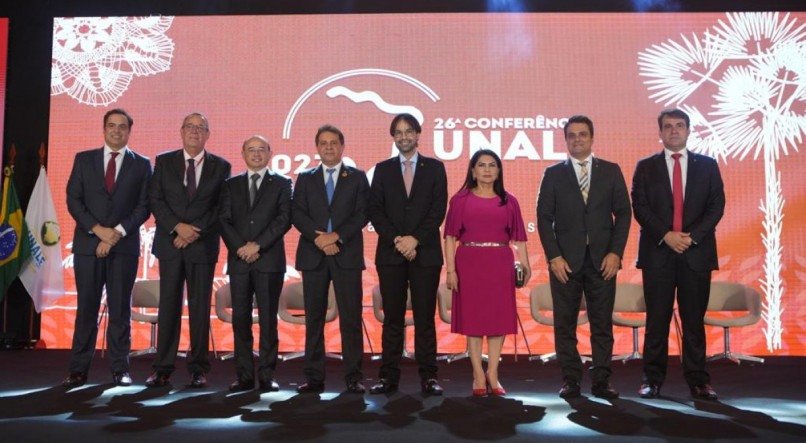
[[445, 302], [726, 296], [629, 298], [292, 298], [377, 302], [540, 300], [223, 303], [146, 294]]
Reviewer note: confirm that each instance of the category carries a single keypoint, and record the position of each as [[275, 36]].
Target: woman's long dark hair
[[498, 185]]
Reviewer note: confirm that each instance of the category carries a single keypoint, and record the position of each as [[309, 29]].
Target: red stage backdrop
[[500, 81], [3, 60]]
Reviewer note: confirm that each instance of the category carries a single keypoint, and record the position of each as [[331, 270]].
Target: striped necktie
[[584, 180]]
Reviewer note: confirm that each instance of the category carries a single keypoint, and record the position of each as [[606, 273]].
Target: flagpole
[[32, 309]]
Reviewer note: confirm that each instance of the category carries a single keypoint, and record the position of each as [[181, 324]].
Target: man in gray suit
[[107, 197], [330, 210], [583, 218]]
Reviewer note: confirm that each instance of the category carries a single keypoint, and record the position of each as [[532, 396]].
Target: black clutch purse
[[520, 275]]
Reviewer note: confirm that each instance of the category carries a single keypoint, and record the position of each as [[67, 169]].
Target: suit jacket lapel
[[344, 175], [267, 181], [319, 181], [178, 163], [98, 166], [692, 171], [662, 172], [128, 160], [208, 170], [595, 174], [419, 176]]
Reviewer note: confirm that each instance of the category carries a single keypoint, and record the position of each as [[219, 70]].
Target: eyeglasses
[[408, 133], [194, 128]]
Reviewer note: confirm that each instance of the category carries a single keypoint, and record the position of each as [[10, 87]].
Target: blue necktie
[[330, 188]]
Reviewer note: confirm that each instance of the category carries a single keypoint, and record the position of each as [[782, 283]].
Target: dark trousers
[[117, 272], [693, 289], [174, 274], [347, 285], [395, 282], [265, 287], [600, 294]]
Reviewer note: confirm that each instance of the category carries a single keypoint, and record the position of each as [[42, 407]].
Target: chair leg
[[152, 347], [525, 340], [212, 340], [406, 353], [369, 342], [291, 356], [104, 316], [635, 354], [545, 358], [728, 355]]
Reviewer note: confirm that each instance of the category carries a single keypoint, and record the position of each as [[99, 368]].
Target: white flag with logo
[[42, 273]]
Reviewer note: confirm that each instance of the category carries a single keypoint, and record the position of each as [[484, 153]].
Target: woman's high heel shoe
[[499, 391], [481, 392]]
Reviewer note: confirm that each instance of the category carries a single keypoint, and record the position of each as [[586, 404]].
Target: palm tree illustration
[[743, 82]]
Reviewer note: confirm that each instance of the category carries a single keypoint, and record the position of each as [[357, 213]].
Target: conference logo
[[454, 136]]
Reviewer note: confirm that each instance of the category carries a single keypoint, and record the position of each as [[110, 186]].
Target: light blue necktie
[[330, 188]]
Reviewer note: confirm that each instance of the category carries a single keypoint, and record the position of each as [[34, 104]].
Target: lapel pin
[[344, 173]]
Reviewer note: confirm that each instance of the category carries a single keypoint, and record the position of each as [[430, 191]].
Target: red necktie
[[677, 194], [111, 168]]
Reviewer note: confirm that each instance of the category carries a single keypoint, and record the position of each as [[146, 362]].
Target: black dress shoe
[[268, 385], [240, 385], [74, 379], [311, 388], [158, 380], [431, 387], [198, 380], [604, 390], [122, 378], [356, 387], [649, 390], [384, 387], [703, 392], [570, 389]]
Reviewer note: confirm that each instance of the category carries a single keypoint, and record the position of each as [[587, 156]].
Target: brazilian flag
[[15, 247]]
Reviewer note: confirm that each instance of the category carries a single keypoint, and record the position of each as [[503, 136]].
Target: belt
[[486, 244]]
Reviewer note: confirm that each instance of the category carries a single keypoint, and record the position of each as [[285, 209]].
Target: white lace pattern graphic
[[96, 58]]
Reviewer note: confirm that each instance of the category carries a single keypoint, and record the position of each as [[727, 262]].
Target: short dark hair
[[329, 128], [119, 111], [674, 113], [408, 118], [578, 119]]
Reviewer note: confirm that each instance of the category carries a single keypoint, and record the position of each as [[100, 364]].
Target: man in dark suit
[[184, 199], [408, 198], [255, 213], [583, 218], [330, 210], [678, 198], [107, 196]]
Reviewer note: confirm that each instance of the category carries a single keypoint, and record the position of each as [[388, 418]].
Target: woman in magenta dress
[[483, 222]]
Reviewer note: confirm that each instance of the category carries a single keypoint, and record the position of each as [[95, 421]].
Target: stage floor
[[763, 402]]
